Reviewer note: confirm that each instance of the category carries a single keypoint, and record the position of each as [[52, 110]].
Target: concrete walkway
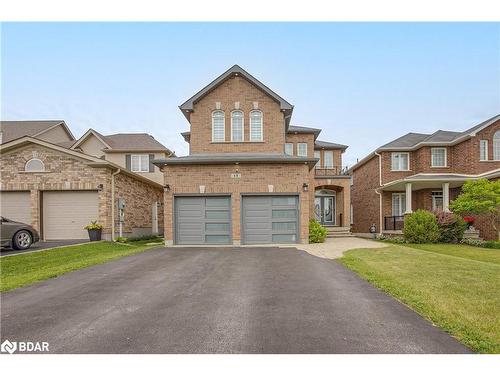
[[334, 247]]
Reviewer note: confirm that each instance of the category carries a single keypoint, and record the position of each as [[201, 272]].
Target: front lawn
[[454, 286], [25, 269]]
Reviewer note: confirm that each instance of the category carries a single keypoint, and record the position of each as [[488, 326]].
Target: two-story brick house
[[59, 184], [423, 171], [250, 177]]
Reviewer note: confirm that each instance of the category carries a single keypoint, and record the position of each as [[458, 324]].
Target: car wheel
[[22, 240]]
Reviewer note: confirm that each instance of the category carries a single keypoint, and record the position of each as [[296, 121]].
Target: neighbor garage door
[[270, 219], [16, 205], [65, 213], [202, 220]]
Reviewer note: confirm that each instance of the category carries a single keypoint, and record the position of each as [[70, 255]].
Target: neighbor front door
[[324, 208]]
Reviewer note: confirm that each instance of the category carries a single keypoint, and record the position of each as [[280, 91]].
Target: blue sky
[[362, 83]]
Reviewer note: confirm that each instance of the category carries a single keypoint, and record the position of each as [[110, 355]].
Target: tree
[[479, 197]]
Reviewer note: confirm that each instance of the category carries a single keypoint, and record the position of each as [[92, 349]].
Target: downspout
[[378, 192], [113, 203]]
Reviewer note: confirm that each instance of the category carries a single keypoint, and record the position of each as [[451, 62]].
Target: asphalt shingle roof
[[329, 145], [16, 129]]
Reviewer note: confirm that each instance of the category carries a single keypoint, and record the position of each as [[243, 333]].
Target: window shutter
[[151, 165], [128, 163]]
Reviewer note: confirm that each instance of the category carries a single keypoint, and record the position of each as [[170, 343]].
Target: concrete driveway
[[41, 245], [217, 300]]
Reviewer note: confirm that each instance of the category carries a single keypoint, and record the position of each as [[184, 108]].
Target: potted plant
[[95, 230], [469, 220]]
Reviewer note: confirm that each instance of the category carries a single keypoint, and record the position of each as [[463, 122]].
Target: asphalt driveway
[[41, 245], [217, 300]]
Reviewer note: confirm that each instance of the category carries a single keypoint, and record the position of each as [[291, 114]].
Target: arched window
[[256, 126], [34, 165], [237, 126], [496, 146], [218, 126]]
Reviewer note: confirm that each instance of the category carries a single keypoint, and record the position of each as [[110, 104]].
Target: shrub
[[144, 238], [317, 232], [481, 243], [421, 227], [391, 239], [94, 225], [122, 239], [451, 227], [492, 244]]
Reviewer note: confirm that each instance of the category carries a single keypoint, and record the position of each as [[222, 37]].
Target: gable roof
[[413, 141], [124, 142], [294, 129], [16, 129], [92, 160], [188, 106]]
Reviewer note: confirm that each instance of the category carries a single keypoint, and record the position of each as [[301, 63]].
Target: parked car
[[17, 235]]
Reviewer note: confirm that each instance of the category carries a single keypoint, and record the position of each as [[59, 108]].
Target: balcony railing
[[330, 172], [393, 222]]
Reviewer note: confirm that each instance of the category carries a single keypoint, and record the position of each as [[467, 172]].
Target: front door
[[324, 208]]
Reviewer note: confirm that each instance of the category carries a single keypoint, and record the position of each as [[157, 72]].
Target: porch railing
[[393, 222], [329, 172]]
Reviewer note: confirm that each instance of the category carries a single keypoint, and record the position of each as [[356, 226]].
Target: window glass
[[483, 149], [237, 126], [284, 214], [284, 201], [399, 161], [284, 238], [217, 202], [317, 154], [217, 227], [285, 226], [139, 163], [398, 204], [496, 146], [328, 159], [437, 200], [302, 149], [218, 126], [289, 148], [438, 157], [256, 126], [34, 165]]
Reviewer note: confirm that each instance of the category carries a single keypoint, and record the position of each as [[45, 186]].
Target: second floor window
[[139, 163], [400, 161], [328, 159], [237, 126], [256, 126], [317, 154], [438, 157], [218, 126], [483, 149], [302, 149], [496, 146], [289, 149]]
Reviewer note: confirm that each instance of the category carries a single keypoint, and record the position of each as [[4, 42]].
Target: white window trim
[[445, 157], [298, 148], [496, 141], [140, 156], [242, 125], [261, 126], [291, 145], [485, 143], [38, 170], [435, 194], [223, 125], [400, 170]]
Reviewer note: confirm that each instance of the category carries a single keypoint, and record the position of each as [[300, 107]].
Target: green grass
[[456, 287], [24, 269]]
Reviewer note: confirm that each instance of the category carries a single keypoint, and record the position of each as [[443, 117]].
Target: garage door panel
[[270, 219], [201, 220], [65, 213], [16, 205]]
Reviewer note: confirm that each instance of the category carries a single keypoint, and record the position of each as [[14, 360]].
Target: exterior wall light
[[166, 188], [100, 187], [305, 187]]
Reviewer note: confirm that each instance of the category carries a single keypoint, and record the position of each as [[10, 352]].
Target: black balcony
[[394, 222], [330, 172]]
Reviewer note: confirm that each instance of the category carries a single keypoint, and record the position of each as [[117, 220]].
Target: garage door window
[[217, 227], [280, 226], [216, 214], [284, 213]]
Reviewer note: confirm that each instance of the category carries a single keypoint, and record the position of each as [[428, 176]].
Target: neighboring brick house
[[59, 189], [423, 171], [250, 176]]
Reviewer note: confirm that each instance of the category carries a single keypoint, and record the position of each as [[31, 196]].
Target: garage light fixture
[[100, 187], [305, 187]]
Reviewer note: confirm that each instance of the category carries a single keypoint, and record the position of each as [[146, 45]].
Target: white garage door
[[16, 205], [65, 213]]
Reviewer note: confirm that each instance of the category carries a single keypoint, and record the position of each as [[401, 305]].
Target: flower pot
[[95, 234]]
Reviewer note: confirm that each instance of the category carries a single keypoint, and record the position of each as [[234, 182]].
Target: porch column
[[446, 196], [408, 198]]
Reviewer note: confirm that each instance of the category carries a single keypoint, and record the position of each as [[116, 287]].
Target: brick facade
[[65, 172], [462, 158]]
